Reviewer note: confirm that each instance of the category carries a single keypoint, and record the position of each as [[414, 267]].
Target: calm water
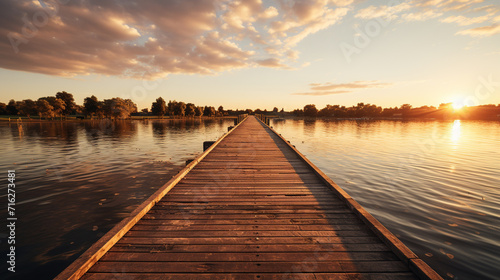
[[76, 180], [436, 185]]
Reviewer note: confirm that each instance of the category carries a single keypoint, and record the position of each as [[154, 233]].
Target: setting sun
[[457, 105]]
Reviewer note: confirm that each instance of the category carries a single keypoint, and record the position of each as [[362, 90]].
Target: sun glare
[[457, 105]]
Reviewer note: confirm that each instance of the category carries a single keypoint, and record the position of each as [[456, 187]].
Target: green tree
[[69, 101], [159, 108]]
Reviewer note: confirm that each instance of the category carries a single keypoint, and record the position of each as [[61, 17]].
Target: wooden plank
[[251, 276], [252, 216], [250, 257], [236, 233], [357, 226], [249, 267], [231, 248], [246, 240], [193, 222]]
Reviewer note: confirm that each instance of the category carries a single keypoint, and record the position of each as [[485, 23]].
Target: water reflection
[[455, 132], [77, 179], [444, 206], [117, 129]]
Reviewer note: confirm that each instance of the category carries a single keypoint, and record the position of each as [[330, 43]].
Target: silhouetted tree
[[199, 111], [69, 102], [91, 106], [405, 109], [209, 111], [57, 104], [159, 108], [119, 108], [180, 109], [3, 108], [44, 108], [28, 108], [221, 110], [171, 107], [275, 110], [190, 110], [12, 107], [310, 110]]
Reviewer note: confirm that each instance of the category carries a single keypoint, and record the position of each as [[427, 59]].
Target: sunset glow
[[457, 106], [253, 53]]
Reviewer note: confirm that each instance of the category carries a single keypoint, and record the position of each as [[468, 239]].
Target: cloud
[[319, 89], [271, 62], [421, 15], [463, 21], [417, 10], [322, 93], [484, 31], [389, 12], [151, 39]]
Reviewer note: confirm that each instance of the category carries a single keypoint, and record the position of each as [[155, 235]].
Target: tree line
[[161, 108], [63, 104], [362, 110]]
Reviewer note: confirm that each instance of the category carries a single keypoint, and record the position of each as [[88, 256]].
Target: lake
[[435, 184]]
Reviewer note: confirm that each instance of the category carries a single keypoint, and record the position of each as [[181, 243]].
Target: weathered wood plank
[[249, 267], [290, 248], [252, 276], [250, 257]]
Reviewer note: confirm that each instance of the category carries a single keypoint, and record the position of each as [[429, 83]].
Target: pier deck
[[250, 207]]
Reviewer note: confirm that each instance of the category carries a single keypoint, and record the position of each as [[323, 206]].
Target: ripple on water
[[434, 184]]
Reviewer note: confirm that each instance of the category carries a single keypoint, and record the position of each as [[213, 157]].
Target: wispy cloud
[[321, 89], [463, 21], [483, 31], [453, 11]]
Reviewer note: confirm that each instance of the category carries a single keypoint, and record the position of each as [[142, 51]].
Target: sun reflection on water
[[455, 132]]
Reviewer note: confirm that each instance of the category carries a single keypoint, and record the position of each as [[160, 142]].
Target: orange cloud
[[483, 31], [318, 89]]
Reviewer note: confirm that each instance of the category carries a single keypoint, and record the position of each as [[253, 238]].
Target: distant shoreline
[[5, 119], [24, 119]]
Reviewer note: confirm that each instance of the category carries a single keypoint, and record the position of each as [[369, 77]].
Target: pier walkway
[[250, 207]]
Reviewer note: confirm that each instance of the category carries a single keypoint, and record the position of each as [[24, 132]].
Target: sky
[[252, 53]]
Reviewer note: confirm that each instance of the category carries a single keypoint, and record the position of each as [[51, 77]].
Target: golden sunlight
[[457, 105]]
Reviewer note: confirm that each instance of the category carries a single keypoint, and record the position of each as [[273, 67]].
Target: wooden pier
[[250, 207]]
